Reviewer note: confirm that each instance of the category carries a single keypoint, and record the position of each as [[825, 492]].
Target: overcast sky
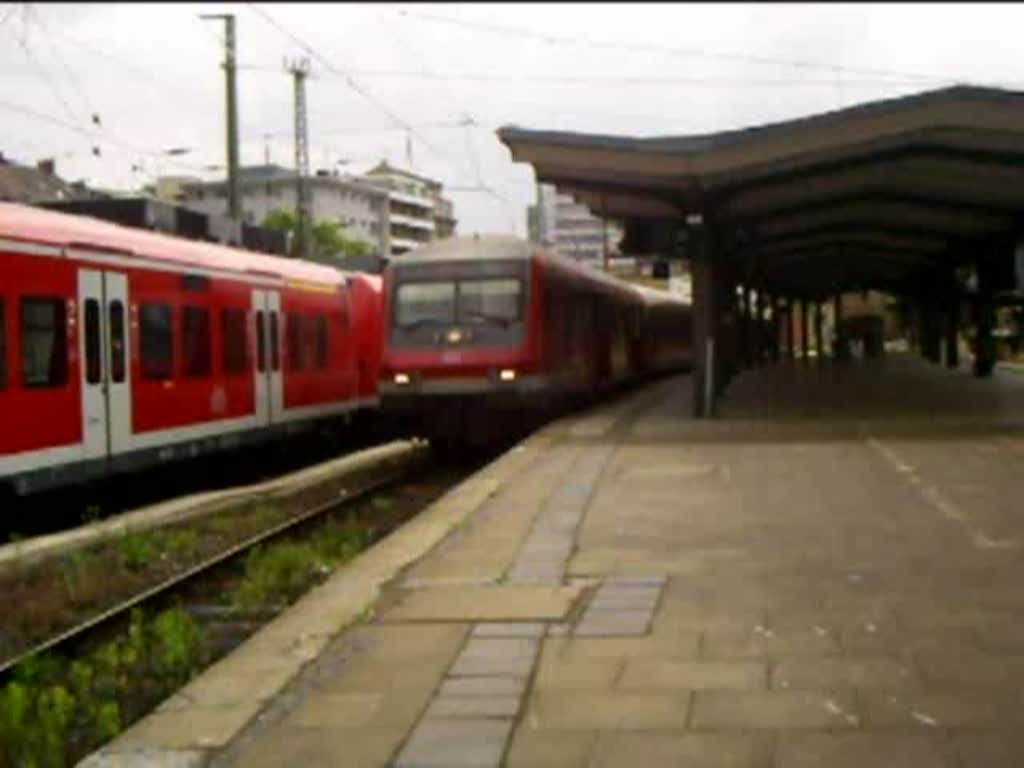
[[382, 73]]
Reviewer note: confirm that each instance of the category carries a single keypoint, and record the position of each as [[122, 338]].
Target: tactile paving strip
[[622, 607], [472, 713]]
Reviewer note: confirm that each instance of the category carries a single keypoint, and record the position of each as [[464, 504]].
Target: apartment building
[[569, 227], [418, 212], [360, 208]]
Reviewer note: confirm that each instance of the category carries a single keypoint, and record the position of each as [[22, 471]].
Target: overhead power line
[[72, 127], [612, 79], [352, 83], [41, 70], [76, 84], [555, 39]]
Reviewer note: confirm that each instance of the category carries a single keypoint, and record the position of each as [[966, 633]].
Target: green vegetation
[[329, 241], [382, 503], [55, 710], [278, 573]]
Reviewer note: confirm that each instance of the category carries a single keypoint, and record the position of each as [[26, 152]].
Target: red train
[[121, 348], [481, 332]]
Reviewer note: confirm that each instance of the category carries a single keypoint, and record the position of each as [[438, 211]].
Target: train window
[[3, 345], [261, 343], [117, 348], [489, 300], [420, 303], [232, 323], [44, 356], [275, 361], [294, 330], [92, 341], [321, 341], [195, 341], [156, 341]]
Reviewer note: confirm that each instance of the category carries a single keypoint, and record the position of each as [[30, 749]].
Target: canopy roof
[[876, 195]]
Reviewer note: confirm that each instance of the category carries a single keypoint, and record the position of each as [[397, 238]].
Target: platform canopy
[[874, 196]]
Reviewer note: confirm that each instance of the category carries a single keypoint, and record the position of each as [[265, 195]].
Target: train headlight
[[507, 375], [401, 379], [454, 336]]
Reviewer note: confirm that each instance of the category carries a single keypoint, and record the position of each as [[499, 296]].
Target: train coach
[[484, 333], [122, 349]]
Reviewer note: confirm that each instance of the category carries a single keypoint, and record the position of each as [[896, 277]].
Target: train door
[[268, 383], [103, 351]]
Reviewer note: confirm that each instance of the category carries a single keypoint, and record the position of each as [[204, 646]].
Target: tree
[[330, 243]]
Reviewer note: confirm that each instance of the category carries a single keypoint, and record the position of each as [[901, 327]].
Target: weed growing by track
[[56, 710], [278, 573]]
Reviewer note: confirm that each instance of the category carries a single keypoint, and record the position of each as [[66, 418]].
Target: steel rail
[[8, 666]]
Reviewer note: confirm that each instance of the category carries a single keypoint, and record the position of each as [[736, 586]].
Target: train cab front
[[457, 336]]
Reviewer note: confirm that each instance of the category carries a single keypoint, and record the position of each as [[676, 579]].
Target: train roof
[[511, 247], [35, 225], [653, 296], [470, 248]]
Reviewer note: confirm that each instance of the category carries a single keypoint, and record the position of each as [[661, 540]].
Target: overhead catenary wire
[[362, 91], [74, 128], [465, 118], [615, 79], [76, 84], [41, 70], [349, 80], [554, 39]]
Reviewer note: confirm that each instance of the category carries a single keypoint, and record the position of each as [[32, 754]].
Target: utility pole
[[303, 204], [231, 79]]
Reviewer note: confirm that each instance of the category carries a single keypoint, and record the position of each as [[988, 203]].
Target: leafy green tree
[[329, 241]]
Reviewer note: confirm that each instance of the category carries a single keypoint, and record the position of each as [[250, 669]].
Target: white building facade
[[418, 212], [569, 227], [361, 209]]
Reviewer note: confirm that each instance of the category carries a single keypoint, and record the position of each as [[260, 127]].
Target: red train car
[[121, 348], [481, 328]]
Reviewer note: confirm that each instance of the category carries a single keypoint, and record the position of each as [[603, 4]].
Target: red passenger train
[[477, 328], [121, 348]]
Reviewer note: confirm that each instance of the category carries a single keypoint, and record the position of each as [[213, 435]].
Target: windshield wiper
[[424, 321], [504, 322]]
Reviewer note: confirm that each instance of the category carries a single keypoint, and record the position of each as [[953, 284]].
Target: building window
[[156, 345], [44, 355], [232, 324], [195, 341]]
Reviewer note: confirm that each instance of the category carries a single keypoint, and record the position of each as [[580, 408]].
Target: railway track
[[202, 599]]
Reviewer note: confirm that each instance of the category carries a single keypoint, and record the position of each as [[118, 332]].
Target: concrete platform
[[828, 576]]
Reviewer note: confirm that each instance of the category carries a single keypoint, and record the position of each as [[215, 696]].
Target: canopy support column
[[819, 338], [704, 271], [984, 343]]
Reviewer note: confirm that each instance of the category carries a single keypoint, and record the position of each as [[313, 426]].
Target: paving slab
[[663, 674], [490, 604], [883, 749], [591, 710], [456, 744], [670, 750]]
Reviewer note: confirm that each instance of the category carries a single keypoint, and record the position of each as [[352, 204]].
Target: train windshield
[[489, 300], [423, 303], [468, 301]]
